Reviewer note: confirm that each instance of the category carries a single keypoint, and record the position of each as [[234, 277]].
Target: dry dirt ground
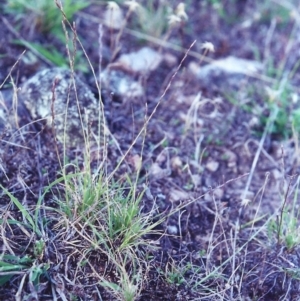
[[197, 154]]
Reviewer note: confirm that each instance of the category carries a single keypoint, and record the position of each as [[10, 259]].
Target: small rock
[[50, 97], [207, 197], [227, 71], [196, 178], [172, 230], [170, 59], [212, 166], [230, 65], [218, 193], [254, 122], [176, 163], [162, 157], [231, 158], [121, 84], [277, 174], [177, 195], [141, 61], [156, 172]]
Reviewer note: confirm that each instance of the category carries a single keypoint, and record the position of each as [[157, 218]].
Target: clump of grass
[[281, 100], [111, 222], [182, 273], [152, 19], [45, 17], [98, 217], [114, 207], [94, 217], [43, 14], [282, 97], [285, 229], [157, 20], [29, 263]]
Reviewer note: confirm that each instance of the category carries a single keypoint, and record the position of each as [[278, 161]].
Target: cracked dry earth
[[199, 147]]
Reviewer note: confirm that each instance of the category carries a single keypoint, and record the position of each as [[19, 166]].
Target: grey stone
[[120, 83], [59, 101], [228, 71]]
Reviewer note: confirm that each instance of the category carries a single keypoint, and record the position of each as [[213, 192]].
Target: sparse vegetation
[[285, 228], [43, 15], [178, 199]]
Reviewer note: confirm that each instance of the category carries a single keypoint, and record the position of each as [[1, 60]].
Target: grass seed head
[[132, 5], [208, 46], [180, 11]]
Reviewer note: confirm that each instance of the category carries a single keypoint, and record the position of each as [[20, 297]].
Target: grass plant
[[97, 228], [110, 218], [284, 229], [43, 14], [106, 216], [153, 20]]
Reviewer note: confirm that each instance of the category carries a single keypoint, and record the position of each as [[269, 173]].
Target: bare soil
[[203, 157]]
